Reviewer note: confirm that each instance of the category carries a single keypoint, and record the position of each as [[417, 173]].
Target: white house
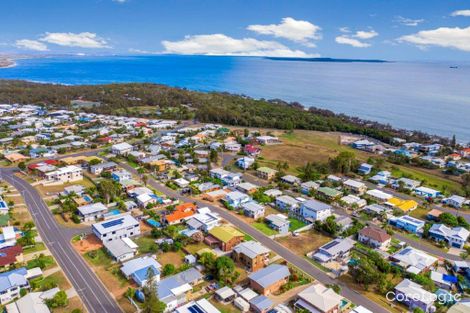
[[11, 284], [455, 201], [122, 226], [314, 210], [287, 203], [121, 249], [245, 162], [414, 296], [122, 148], [137, 270], [355, 186], [456, 237], [375, 237], [65, 174], [92, 212]]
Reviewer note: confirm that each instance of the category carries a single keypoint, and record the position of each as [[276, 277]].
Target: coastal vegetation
[[152, 100]]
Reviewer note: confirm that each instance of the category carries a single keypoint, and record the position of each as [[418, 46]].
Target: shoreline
[[7, 63]]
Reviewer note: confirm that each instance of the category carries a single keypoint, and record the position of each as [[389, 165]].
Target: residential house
[[253, 209], [413, 260], [278, 222], [443, 281], [245, 162], [408, 223], [235, 199], [329, 193], [403, 205], [266, 173], [374, 237], [92, 212], [138, 269], [121, 249], [291, 180], [122, 148], [33, 302], [248, 188], [180, 213], [11, 283], [407, 183], [224, 237], [252, 255], [261, 304], [307, 187], [121, 175], [365, 169], [354, 186], [65, 174], [204, 220], [353, 201], [427, 192], [8, 236], [314, 210], [97, 169], [288, 204], [267, 140], [414, 296], [456, 237], [318, 298], [199, 306], [251, 150], [121, 226], [3, 206], [335, 250], [378, 195], [225, 294], [11, 255], [270, 279], [215, 195], [174, 289], [455, 201]]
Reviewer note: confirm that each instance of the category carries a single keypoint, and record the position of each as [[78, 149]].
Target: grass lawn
[[224, 308], [430, 178], [74, 303], [98, 257], [262, 227], [146, 244], [305, 242], [420, 213], [60, 279], [295, 224], [39, 246], [195, 247]]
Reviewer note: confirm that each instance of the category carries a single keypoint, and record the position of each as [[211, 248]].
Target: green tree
[[59, 300], [344, 163], [152, 303], [22, 166], [108, 190], [168, 269]]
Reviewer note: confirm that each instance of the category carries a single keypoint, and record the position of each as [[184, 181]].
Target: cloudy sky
[[392, 30]]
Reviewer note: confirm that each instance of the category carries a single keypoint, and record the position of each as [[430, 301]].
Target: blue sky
[[392, 30]]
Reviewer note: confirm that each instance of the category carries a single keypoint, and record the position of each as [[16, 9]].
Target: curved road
[[279, 249], [90, 289]]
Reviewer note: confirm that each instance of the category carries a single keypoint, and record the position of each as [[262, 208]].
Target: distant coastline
[[6, 63], [328, 60]]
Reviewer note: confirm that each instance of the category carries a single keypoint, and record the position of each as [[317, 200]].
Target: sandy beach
[[6, 63]]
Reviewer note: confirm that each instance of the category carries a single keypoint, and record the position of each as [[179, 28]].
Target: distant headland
[[327, 60]]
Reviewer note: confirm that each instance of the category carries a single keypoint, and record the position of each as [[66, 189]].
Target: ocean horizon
[[428, 96]]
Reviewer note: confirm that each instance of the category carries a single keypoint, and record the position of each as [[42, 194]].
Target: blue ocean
[[431, 97]]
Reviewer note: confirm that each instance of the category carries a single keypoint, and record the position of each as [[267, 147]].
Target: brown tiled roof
[[375, 234], [8, 255]]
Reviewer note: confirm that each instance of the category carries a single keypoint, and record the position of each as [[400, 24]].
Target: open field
[[374, 296], [54, 189], [420, 212], [74, 303], [302, 146], [88, 244], [305, 242], [264, 228]]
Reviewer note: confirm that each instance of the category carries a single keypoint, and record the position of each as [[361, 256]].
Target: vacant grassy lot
[[146, 244], [74, 303], [175, 258], [300, 147], [262, 227], [295, 224], [305, 242], [420, 212], [224, 308]]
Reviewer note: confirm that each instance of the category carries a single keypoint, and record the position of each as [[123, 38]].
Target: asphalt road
[[90, 289], [279, 249]]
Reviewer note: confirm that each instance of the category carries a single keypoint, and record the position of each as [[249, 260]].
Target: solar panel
[[330, 244], [195, 309], [113, 223]]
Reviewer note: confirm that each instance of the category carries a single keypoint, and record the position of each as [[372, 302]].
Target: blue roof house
[[365, 169], [137, 269], [10, 284]]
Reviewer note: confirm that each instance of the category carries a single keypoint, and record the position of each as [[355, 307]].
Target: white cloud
[[457, 38], [461, 13], [28, 44], [346, 40], [220, 44], [363, 34], [82, 40], [408, 21], [120, 1], [354, 40], [295, 30]]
